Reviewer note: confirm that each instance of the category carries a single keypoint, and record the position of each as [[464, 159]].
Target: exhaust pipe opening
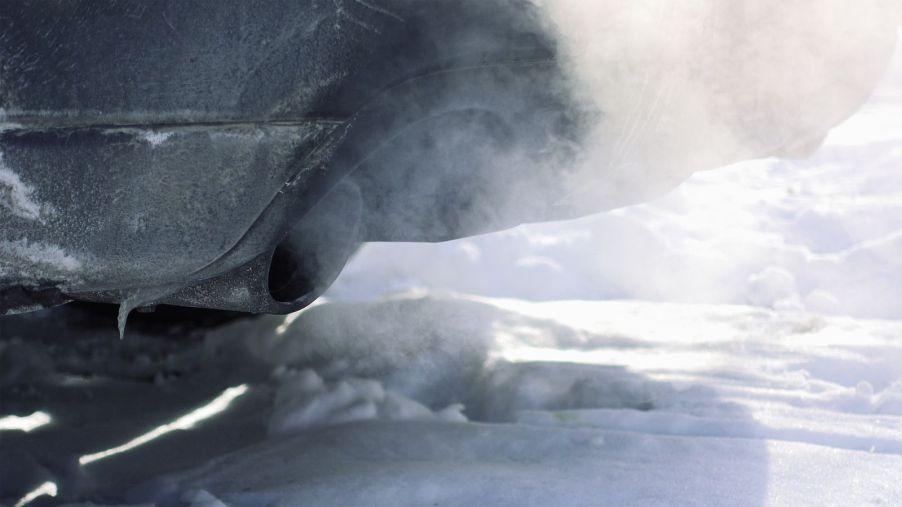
[[316, 249]]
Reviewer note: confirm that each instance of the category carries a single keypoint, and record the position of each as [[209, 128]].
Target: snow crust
[[569, 403], [551, 403], [305, 401]]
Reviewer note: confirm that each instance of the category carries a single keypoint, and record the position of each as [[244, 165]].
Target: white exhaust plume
[[689, 85], [685, 86]]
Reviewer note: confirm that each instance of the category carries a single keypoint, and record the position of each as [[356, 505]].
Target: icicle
[[138, 298], [125, 308]]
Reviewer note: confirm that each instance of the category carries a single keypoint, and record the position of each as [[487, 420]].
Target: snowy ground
[[423, 399], [741, 364]]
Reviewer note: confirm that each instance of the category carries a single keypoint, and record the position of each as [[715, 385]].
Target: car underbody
[[228, 155]]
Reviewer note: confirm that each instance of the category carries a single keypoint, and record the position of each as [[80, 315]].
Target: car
[[233, 155]]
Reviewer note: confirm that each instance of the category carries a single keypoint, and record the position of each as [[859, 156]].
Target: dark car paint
[[176, 148]]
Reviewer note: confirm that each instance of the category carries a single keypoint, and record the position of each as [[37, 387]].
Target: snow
[[48, 488], [563, 403], [154, 138], [304, 400], [571, 403], [17, 198], [26, 423], [38, 261]]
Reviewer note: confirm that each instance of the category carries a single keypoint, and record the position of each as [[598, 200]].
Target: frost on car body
[[224, 154]]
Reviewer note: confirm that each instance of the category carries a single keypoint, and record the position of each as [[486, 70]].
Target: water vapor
[[692, 85]]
